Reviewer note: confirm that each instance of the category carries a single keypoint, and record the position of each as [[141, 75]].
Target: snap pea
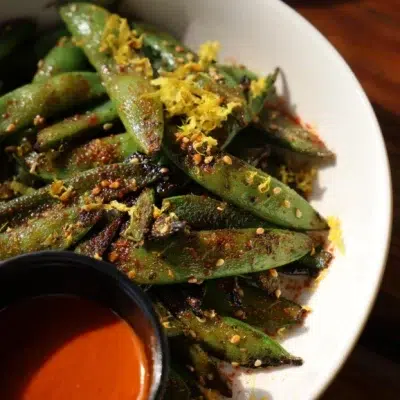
[[171, 326], [141, 215], [19, 108], [247, 187], [267, 313], [205, 367], [13, 33], [75, 127], [208, 255], [177, 388], [202, 212], [164, 47], [141, 114], [238, 72], [98, 241], [264, 280], [130, 177], [281, 129], [55, 228], [64, 57], [218, 335], [64, 164]]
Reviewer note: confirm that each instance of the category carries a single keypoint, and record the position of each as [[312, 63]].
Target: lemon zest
[[302, 180], [335, 233], [208, 52], [257, 86]]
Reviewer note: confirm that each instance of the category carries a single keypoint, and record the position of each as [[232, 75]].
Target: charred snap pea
[[225, 337], [252, 305], [64, 57], [99, 239], [208, 255], [64, 164], [101, 185], [77, 126], [55, 228], [13, 33], [283, 130], [164, 51], [141, 113], [205, 367], [202, 212], [31, 104], [172, 327], [249, 188]]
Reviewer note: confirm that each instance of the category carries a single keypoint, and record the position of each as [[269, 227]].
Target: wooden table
[[367, 34]]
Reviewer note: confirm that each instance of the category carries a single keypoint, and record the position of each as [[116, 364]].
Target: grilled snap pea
[[64, 164], [208, 255], [249, 188], [251, 304], [64, 57], [76, 126], [177, 388], [141, 114], [30, 104]]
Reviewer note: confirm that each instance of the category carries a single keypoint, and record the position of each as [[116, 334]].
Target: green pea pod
[[130, 177], [267, 313], [172, 327], [238, 72], [19, 108], [283, 130], [64, 57], [52, 165], [258, 99], [55, 228], [176, 389], [249, 188], [98, 241], [163, 47], [202, 212], [78, 126], [13, 33], [209, 255], [141, 215], [141, 113], [265, 280], [205, 367], [227, 338]]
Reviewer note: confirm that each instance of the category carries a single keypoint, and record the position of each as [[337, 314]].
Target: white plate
[[264, 34]]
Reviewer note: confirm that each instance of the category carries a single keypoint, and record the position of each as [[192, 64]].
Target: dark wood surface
[[367, 34]]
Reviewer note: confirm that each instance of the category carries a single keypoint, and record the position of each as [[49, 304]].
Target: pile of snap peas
[[94, 162]]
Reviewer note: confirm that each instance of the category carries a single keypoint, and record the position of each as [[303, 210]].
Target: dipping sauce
[[68, 348]]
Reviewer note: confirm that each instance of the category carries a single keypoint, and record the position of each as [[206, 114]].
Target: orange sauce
[[68, 348]]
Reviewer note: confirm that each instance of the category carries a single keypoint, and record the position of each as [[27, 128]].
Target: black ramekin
[[62, 272]]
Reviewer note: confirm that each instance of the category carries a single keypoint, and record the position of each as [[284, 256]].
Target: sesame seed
[[260, 231], [241, 293], [234, 364], [274, 127], [96, 190], [220, 208], [277, 190], [235, 339], [190, 368], [107, 126], [38, 120], [239, 313], [113, 256], [11, 128], [278, 293], [179, 49], [227, 160], [192, 280], [166, 324], [180, 60], [189, 56], [197, 158], [40, 63], [134, 160], [164, 170], [220, 262], [202, 320], [298, 213], [208, 159], [258, 363], [131, 274], [185, 139], [210, 377], [312, 251], [115, 185], [286, 203], [243, 350], [105, 183], [273, 273]]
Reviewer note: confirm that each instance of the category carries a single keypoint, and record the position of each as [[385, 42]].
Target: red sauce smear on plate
[[68, 348]]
